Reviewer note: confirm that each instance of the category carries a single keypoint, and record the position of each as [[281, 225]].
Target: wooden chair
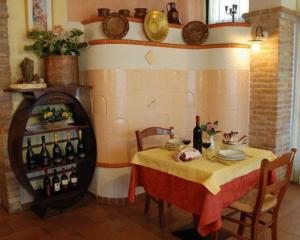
[[263, 201], [140, 135]]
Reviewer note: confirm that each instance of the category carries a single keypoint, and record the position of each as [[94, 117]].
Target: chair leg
[[241, 226], [254, 232], [147, 203], [274, 227], [161, 213]]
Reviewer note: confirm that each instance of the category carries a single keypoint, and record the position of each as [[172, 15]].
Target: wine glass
[[206, 145], [186, 141]]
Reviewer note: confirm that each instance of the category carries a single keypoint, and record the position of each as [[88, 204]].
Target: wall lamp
[[260, 36]]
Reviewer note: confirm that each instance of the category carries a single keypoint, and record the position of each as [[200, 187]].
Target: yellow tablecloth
[[211, 174]]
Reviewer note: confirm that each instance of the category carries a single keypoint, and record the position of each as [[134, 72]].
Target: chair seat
[[247, 203]]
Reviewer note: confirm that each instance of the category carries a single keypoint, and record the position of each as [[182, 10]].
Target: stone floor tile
[[5, 229]]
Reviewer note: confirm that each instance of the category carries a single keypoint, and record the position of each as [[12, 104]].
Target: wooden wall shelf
[[37, 92], [137, 20], [167, 45], [18, 130]]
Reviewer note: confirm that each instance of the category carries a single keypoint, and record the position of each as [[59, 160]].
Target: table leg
[[195, 220], [214, 236]]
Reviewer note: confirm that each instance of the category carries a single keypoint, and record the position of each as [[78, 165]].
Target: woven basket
[[54, 125]]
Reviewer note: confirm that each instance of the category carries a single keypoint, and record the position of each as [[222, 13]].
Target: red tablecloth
[[190, 196]]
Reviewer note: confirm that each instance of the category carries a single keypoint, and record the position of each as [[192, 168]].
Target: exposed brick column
[[271, 76], [9, 186], [4, 49]]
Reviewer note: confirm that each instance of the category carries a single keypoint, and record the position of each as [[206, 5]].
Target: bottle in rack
[[55, 183], [47, 185], [69, 151], [73, 179], [30, 158], [57, 158], [64, 181], [45, 157], [197, 135], [81, 153]]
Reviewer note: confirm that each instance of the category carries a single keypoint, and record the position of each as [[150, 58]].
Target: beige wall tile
[[127, 100], [120, 128], [102, 126], [99, 105], [117, 104], [100, 80], [118, 151], [134, 80]]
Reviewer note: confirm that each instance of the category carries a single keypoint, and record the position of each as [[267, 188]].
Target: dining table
[[203, 186]]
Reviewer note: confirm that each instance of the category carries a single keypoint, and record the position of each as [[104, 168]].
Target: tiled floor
[[94, 222]]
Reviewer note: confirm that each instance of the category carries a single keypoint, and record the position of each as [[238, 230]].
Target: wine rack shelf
[[59, 197], [19, 131], [40, 130], [52, 166], [50, 143]]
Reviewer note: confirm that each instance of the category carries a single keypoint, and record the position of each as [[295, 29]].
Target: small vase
[[212, 142]]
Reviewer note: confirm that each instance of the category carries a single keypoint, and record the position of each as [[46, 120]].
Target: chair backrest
[[271, 184], [151, 131]]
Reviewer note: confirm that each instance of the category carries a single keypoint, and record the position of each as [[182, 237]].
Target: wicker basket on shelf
[[54, 125]]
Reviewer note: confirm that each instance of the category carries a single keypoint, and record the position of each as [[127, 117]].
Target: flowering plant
[[56, 42], [54, 115], [210, 128]]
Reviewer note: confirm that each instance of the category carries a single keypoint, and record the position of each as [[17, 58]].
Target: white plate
[[231, 154], [230, 159], [174, 142]]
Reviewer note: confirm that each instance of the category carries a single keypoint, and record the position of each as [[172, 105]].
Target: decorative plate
[[156, 26], [115, 26], [195, 32]]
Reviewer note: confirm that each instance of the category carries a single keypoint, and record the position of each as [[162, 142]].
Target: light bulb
[[255, 47]]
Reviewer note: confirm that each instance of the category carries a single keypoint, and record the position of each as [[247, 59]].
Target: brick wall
[[9, 186], [271, 75], [4, 49]]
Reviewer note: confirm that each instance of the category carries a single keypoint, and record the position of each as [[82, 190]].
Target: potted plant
[[60, 49]]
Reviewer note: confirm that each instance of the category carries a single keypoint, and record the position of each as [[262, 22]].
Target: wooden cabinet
[[20, 130]]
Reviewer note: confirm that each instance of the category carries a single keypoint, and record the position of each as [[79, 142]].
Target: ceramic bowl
[[234, 146]]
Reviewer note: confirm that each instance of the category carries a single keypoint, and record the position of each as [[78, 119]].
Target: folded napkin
[[231, 138], [187, 154]]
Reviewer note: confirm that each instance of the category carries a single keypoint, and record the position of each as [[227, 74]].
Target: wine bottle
[[30, 158], [64, 181], [47, 185], [45, 158], [73, 179], [197, 135], [57, 158], [80, 146], [55, 182], [70, 153]]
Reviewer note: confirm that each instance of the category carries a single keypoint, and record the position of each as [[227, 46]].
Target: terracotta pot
[[124, 12], [103, 12], [62, 70], [140, 13]]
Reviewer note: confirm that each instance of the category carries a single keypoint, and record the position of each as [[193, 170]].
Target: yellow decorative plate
[[156, 26]]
